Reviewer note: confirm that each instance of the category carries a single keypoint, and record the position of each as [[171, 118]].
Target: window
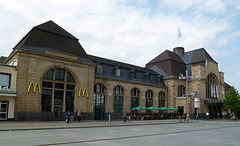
[[147, 77], [149, 100], [58, 85], [118, 72], [160, 80], [161, 99], [99, 69], [133, 75], [181, 91], [49, 75], [212, 86], [5, 80], [134, 99], [99, 101], [46, 100], [118, 99]]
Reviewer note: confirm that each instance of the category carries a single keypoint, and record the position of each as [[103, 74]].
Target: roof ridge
[[52, 27]]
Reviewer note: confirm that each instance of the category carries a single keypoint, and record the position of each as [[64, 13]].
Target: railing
[[7, 89]]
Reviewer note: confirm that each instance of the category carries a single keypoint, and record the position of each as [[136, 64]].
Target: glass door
[[58, 112], [3, 110]]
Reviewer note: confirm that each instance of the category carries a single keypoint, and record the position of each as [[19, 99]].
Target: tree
[[232, 101]]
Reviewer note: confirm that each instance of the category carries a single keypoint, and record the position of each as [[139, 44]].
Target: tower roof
[[50, 36]]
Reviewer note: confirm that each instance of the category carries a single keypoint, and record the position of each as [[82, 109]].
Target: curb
[[94, 126]]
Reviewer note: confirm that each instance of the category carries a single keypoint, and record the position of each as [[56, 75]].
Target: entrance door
[[58, 112], [3, 110], [98, 106]]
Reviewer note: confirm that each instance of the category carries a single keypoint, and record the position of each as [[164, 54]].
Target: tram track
[[136, 136]]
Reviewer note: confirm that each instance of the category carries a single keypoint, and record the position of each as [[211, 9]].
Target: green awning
[[221, 102]]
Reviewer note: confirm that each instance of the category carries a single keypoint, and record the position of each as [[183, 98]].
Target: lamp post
[[186, 78]]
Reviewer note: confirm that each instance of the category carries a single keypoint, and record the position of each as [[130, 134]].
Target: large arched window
[[134, 99], [99, 101], [149, 100], [161, 99], [181, 90], [212, 86], [58, 89], [118, 99]]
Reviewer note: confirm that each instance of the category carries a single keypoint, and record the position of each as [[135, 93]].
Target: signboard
[[196, 102]]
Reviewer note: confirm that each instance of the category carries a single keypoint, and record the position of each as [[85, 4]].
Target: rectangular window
[[46, 100], [134, 75], [118, 104], [148, 78], [99, 69], [47, 84], [70, 101], [118, 72], [59, 75], [5, 80], [134, 103]]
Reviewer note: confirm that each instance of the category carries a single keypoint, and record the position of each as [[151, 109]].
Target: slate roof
[[173, 64], [196, 56], [166, 55], [50, 36], [109, 66]]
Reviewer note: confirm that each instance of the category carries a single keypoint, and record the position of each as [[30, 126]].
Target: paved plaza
[[136, 133]]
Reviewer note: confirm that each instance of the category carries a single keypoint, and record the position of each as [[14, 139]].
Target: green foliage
[[232, 100]]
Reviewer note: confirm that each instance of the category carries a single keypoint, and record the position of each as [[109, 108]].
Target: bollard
[[109, 118]]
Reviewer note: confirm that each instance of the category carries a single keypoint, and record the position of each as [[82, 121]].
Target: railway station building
[[49, 73]]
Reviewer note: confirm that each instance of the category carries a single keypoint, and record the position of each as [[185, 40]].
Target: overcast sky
[[134, 31]]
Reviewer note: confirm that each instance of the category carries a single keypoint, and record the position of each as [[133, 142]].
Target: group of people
[[125, 117], [69, 116]]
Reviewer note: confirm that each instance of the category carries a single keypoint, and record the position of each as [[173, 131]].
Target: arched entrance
[[58, 89]]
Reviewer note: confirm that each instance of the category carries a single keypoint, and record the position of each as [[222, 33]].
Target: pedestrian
[[79, 116], [129, 118], [180, 116], [68, 117], [124, 117]]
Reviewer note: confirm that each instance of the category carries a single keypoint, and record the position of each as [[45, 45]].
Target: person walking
[[68, 117], [79, 116], [124, 117]]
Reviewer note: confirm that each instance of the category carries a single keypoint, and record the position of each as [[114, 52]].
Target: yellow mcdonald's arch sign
[[83, 91], [34, 87]]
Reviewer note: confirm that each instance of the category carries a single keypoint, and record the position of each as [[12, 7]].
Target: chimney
[[178, 50]]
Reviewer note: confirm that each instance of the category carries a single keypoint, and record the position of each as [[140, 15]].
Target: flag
[[179, 33]]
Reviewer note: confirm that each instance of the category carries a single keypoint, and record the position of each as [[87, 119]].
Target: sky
[[134, 31]]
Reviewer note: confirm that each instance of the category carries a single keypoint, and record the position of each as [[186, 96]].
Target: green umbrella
[[172, 109], [162, 108], [152, 108], [139, 108]]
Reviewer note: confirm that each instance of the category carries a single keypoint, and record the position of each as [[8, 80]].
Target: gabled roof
[[166, 55], [50, 36]]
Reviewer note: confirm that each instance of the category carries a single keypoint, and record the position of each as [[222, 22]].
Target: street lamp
[[186, 78]]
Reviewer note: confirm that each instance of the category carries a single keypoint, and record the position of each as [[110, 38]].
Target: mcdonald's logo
[[34, 87], [83, 91]]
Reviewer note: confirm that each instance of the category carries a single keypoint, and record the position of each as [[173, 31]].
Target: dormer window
[[147, 77], [99, 68], [117, 71], [160, 79], [133, 75]]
